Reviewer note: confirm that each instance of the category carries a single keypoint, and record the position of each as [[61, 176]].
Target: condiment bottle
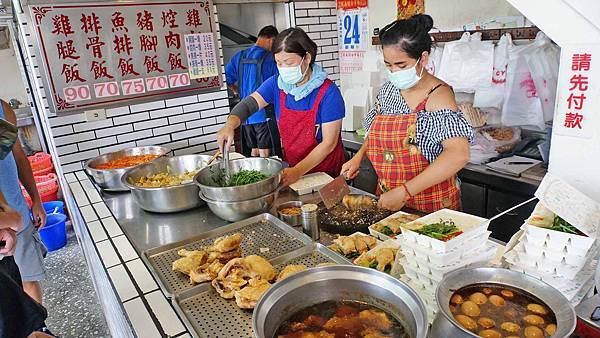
[[310, 224]]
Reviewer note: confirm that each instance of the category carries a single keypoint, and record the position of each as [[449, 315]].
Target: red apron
[[393, 151], [298, 137]]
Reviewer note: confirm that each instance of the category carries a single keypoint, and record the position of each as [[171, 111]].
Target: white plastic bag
[[435, 60], [522, 105], [543, 63], [493, 96], [467, 64]]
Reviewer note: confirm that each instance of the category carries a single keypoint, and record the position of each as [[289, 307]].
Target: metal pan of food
[[166, 184], [344, 221], [250, 178], [108, 169]]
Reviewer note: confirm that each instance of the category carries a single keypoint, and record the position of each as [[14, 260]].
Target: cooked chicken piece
[[290, 270], [326, 264], [186, 253], [361, 245], [187, 263], [346, 324], [384, 257], [373, 333], [206, 272], [370, 241], [346, 244], [234, 264], [224, 257], [358, 202], [226, 243], [234, 281], [261, 267], [247, 297], [336, 248], [321, 334], [375, 319]]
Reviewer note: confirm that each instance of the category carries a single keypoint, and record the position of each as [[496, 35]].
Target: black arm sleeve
[[245, 108]]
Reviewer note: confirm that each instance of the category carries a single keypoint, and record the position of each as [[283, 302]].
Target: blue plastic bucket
[[54, 233], [51, 206]]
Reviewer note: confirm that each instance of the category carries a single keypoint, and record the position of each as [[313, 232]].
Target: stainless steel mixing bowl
[[445, 325], [340, 282], [110, 179], [167, 199], [239, 210], [206, 180]]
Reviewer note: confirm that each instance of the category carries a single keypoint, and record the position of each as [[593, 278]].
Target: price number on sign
[[77, 93], [351, 29], [179, 80], [106, 89], [131, 87], [157, 83]]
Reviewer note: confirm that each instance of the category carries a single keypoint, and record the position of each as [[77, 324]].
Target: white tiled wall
[[319, 20], [170, 122]]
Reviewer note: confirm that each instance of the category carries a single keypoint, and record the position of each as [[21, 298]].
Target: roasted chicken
[[226, 243], [237, 272], [353, 245], [290, 270], [247, 297], [190, 260], [358, 202]]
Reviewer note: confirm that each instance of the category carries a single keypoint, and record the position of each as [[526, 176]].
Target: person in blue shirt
[[245, 72], [309, 109]]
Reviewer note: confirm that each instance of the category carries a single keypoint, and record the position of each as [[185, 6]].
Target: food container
[[445, 325], [166, 199], [473, 227], [383, 236], [239, 210], [110, 179], [206, 180], [293, 220], [310, 183], [456, 255], [341, 282]]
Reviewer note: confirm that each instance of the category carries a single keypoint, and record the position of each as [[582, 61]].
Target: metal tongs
[[225, 163]]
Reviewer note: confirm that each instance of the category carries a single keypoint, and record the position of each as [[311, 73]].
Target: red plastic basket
[[47, 186], [26, 195], [44, 171], [40, 162]]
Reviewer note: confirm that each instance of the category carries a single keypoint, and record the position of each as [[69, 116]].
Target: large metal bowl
[[166, 199], [206, 180], [239, 210], [110, 179], [445, 325], [340, 282]]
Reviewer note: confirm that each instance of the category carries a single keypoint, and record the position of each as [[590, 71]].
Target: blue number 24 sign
[[353, 29]]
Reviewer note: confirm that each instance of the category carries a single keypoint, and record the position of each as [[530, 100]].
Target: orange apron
[[392, 149]]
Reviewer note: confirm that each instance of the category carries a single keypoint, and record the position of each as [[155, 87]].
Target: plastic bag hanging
[[493, 96]]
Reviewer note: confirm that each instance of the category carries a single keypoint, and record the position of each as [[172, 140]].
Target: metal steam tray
[[206, 314], [260, 232]]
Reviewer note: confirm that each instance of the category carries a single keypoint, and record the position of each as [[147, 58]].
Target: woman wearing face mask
[[417, 140], [308, 106]]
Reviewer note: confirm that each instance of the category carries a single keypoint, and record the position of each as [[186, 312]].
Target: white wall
[[12, 82]]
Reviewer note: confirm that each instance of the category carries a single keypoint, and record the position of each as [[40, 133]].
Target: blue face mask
[[405, 78], [292, 75]]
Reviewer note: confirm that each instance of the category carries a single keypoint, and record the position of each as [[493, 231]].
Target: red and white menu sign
[[110, 53], [578, 96]]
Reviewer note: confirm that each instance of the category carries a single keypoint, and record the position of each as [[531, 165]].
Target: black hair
[[411, 35], [268, 32], [295, 40]]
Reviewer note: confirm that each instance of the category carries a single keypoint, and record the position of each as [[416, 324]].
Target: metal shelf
[[523, 33]]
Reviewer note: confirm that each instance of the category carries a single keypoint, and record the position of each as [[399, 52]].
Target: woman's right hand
[[351, 168], [225, 137]]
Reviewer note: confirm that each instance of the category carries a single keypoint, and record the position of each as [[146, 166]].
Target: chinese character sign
[[408, 8], [353, 33], [111, 52], [578, 98]]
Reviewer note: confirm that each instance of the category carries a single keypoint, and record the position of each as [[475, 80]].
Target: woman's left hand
[[393, 200], [289, 176]]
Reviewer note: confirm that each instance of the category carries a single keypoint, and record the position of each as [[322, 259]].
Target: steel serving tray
[[264, 235], [206, 314]]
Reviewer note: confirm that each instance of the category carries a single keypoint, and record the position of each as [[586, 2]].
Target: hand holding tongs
[[225, 163]]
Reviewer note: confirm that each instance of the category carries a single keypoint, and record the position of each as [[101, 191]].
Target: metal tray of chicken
[[263, 235], [207, 314]]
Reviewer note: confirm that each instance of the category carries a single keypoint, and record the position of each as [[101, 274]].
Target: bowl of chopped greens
[[250, 178]]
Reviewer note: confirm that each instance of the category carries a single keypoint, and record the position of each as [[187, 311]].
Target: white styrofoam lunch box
[[471, 226], [440, 259], [557, 240], [310, 183], [382, 236]]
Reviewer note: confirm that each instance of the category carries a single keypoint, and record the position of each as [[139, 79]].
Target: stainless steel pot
[[340, 282], [206, 180], [293, 220], [239, 210], [444, 324], [166, 199], [110, 179]]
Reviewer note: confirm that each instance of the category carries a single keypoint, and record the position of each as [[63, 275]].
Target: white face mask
[[405, 78], [292, 75]]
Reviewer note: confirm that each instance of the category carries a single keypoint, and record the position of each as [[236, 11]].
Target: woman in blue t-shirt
[[308, 106]]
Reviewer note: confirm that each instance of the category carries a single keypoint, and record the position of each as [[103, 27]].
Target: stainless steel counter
[[149, 230]]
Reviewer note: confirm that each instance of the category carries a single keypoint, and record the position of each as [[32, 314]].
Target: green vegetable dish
[[561, 225], [387, 231], [443, 230], [242, 177]]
